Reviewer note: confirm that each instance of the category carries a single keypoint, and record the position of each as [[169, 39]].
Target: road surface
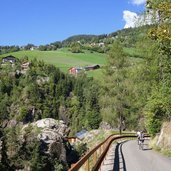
[[126, 156]]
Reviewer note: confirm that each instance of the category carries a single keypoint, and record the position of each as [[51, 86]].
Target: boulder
[[51, 134], [57, 125], [47, 136]]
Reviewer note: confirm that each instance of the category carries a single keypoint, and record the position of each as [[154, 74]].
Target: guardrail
[[93, 159]]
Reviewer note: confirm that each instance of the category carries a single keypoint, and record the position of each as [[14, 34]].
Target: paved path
[[126, 156]]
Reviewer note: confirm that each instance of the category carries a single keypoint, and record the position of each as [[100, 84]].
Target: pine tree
[[114, 97]]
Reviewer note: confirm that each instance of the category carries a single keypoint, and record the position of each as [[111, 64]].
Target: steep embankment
[[162, 141]]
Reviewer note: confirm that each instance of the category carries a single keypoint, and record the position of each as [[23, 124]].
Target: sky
[[45, 21]]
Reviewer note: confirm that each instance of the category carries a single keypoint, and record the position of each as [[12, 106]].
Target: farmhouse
[[9, 58], [92, 67], [101, 44], [75, 70], [33, 48]]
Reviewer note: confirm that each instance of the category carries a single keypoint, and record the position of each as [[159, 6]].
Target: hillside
[[41, 92], [94, 50], [64, 59], [128, 37]]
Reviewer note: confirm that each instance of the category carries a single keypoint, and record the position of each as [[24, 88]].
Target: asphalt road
[[126, 156]]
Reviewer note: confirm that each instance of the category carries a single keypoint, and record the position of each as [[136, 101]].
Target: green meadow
[[65, 59]]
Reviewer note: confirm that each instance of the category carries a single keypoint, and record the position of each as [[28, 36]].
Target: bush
[[154, 126], [81, 148], [23, 114]]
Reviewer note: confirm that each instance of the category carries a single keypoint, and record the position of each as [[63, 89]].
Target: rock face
[[51, 133], [58, 126], [42, 141], [164, 139]]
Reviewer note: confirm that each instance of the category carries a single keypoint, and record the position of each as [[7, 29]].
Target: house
[[75, 70], [33, 48], [101, 44], [9, 58], [81, 135], [92, 67]]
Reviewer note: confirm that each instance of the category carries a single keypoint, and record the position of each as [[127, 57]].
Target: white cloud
[[130, 18], [138, 2]]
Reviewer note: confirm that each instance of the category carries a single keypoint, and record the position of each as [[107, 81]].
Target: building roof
[[80, 135], [9, 57], [92, 67]]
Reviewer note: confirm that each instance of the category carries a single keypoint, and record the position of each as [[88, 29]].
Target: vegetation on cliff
[[42, 91]]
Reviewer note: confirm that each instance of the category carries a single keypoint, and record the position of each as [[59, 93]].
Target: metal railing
[[93, 159]]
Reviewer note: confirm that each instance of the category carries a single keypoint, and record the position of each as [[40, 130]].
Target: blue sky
[[46, 21]]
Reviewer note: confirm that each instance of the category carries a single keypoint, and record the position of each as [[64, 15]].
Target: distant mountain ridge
[[128, 37]]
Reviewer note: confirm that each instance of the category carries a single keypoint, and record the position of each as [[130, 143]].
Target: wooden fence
[[93, 159]]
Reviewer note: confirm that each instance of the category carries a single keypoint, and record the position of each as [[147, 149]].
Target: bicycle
[[141, 144]]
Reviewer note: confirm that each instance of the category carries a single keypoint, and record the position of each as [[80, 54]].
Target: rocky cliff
[[51, 133], [164, 138], [43, 142]]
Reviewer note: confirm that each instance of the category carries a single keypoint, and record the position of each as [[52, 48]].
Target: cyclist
[[141, 140]]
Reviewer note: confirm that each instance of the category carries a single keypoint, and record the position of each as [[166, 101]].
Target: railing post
[[87, 164], [104, 145], [100, 150], [94, 157]]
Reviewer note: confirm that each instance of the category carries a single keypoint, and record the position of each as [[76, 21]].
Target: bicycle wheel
[[140, 145]]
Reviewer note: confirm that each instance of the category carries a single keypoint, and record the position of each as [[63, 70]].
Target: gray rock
[[51, 133], [105, 126], [56, 125], [49, 136], [12, 123]]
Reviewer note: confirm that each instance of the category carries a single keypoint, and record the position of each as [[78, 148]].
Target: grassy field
[[65, 59]]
